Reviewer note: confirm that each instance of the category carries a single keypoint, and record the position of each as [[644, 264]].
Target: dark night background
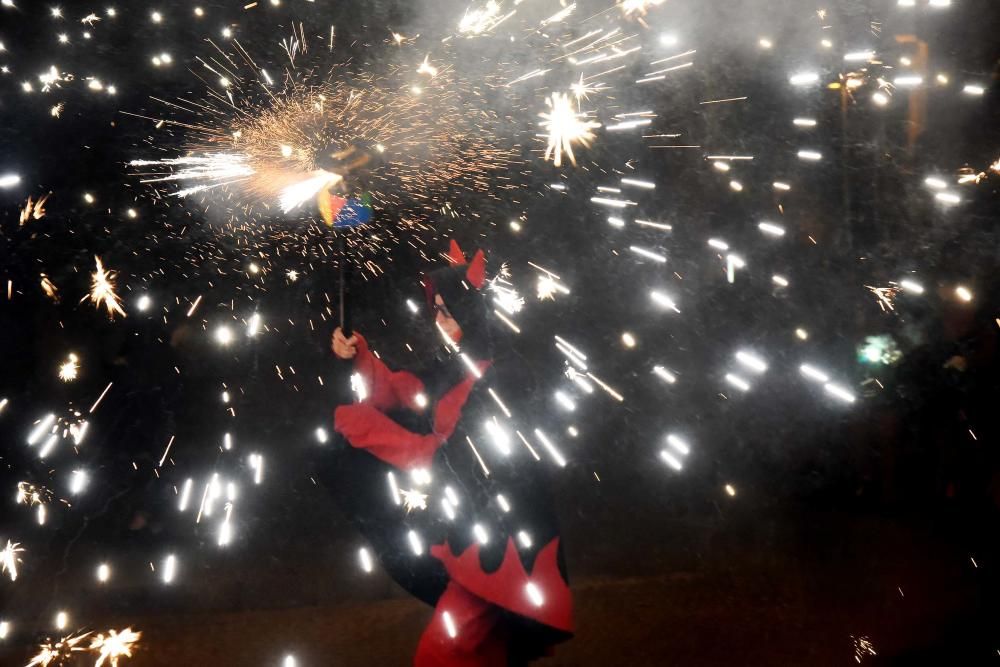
[[875, 520]]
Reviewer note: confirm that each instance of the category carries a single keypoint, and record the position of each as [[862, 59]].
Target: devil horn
[[455, 253], [476, 274]]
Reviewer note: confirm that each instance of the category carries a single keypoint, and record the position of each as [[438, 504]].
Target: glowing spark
[[59, 652], [638, 7], [427, 68], [34, 210], [886, 296], [78, 482], [9, 559], [737, 382], [413, 500], [551, 449], [754, 363], [839, 392], [415, 543], [113, 646], [814, 373], [548, 287], [565, 126], [102, 291], [296, 194], [69, 369], [661, 299], [479, 21], [169, 569], [449, 625], [366, 560]]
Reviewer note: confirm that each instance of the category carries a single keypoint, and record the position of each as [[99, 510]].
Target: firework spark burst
[[565, 126], [102, 290], [9, 559], [114, 645]]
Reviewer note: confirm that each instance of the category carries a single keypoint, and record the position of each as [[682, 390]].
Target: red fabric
[[366, 426], [455, 253], [476, 273], [507, 587], [480, 638], [387, 389]]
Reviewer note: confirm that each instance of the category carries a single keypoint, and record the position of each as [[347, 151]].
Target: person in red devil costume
[[455, 508]]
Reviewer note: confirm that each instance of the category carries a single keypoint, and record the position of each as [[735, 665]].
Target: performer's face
[[445, 321]]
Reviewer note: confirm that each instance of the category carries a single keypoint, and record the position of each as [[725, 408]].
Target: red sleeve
[[367, 428], [386, 389]]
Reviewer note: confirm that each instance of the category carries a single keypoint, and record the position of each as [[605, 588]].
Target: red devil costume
[[485, 550]]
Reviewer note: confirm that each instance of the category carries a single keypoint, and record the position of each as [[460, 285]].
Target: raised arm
[[386, 389]]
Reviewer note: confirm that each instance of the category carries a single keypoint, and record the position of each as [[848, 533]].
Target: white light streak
[[963, 293], [366, 560], [648, 185], [814, 373], [974, 90], [48, 446], [839, 392], [671, 460], [664, 374], [497, 400], [780, 281], [909, 80], [911, 286], [771, 228], [678, 445], [803, 78], [664, 301], [394, 489], [810, 155], [169, 569], [550, 448], [565, 401], [534, 594], [502, 501], [737, 382], [751, 361], [449, 625], [415, 543], [613, 203], [257, 464], [185, 494], [648, 254], [78, 481], [480, 532], [856, 56], [804, 122], [655, 225], [500, 437], [41, 428]]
